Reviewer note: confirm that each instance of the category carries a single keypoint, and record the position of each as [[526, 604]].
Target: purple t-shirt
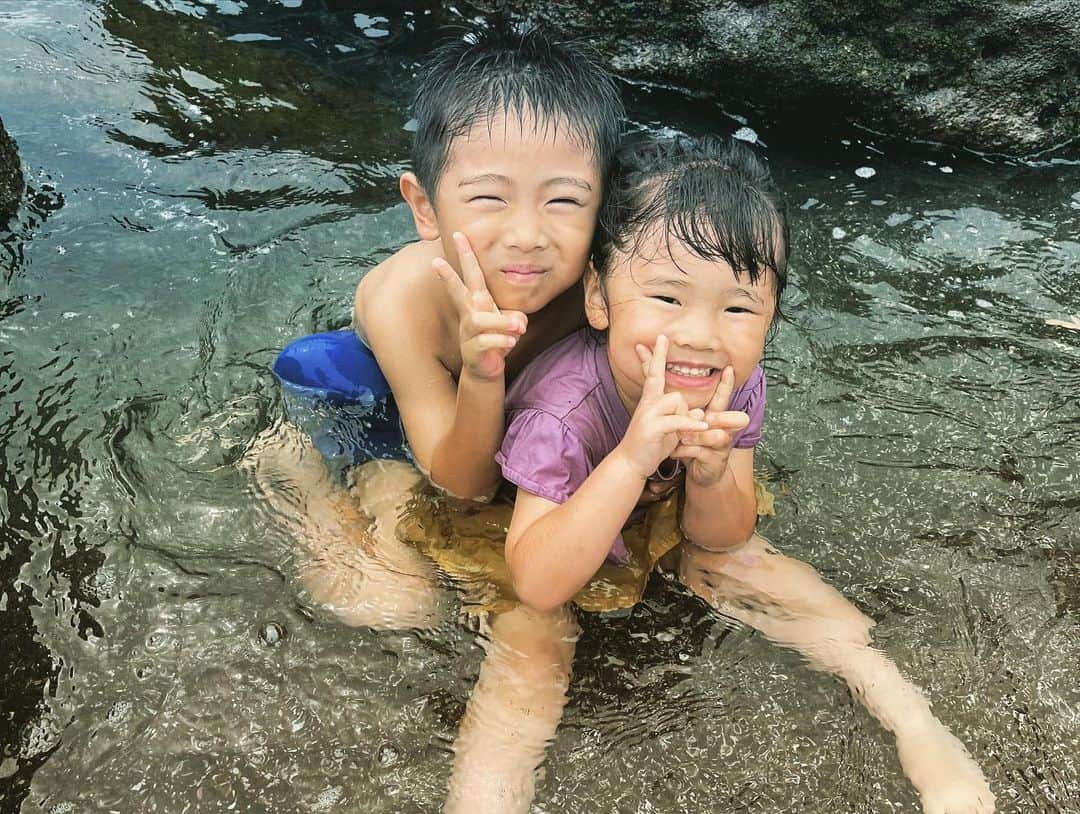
[[564, 416]]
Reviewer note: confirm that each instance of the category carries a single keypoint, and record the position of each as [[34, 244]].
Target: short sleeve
[[750, 399], [541, 455]]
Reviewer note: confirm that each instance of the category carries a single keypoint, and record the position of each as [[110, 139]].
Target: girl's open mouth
[[684, 375]]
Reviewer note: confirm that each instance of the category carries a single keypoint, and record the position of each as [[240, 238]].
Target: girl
[[666, 388]]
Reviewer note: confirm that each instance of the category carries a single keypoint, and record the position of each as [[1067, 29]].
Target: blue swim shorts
[[334, 391]]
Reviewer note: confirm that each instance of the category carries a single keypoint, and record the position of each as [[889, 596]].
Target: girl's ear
[[596, 309], [423, 208]]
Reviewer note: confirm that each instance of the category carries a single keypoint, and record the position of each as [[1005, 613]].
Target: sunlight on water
[[187, 630]]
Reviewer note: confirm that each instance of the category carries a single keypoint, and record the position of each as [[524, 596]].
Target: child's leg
[[513, 712], [354, 566], [789, 602]]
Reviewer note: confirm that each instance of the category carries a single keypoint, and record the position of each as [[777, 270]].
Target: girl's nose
[[695, 331]]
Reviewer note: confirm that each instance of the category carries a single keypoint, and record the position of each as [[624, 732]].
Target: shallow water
[[209, 181]]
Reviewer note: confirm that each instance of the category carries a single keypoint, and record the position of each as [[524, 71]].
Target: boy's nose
[[524, 231]]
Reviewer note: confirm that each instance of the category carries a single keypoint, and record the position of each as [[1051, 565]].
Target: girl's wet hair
[[715, 197], [489, 73]]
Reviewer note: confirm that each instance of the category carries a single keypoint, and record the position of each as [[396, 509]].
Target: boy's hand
[[660, 417], [706, 452], [486, 333]]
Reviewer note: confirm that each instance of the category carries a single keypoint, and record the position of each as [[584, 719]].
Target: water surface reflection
[[202, 195]]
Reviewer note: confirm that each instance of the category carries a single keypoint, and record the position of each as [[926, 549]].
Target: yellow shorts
[[466, 542]]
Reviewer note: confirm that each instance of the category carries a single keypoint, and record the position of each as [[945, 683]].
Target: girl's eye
[[570, 201], [735, 309], [484, 198], [664, 298]]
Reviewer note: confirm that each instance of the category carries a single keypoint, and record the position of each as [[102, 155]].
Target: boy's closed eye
[[666, 298], [567, 202]]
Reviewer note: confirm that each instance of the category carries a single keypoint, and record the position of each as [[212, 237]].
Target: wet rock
[[995, 75], [11, 177]]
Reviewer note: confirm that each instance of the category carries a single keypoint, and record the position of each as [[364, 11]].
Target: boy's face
[[527, 199], [711, 319]]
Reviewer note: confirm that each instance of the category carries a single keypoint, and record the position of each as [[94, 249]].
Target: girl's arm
[[720, 510], [553, 549], [722, 514]]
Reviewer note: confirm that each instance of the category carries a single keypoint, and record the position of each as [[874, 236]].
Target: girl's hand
[[706, 452], [659, 418], [486, 333]]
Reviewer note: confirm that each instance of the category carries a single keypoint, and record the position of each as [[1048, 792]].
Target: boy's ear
[[423, 208], [596, 309]]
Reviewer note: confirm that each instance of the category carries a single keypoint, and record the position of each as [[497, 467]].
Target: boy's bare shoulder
[[403, 295]]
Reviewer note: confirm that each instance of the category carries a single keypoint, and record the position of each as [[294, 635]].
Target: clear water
[[211, 178]]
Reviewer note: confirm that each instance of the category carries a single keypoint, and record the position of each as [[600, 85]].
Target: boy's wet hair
[[715, 197], [488, 73]]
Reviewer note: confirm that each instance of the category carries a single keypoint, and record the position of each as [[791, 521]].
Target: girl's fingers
[[654, 376], [712, 438], [688, 452], [645, 355], [674, 404], [722, 395], [676, 424], [728, 420]]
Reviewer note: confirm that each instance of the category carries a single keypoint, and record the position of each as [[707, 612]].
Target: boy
[[515, 134]]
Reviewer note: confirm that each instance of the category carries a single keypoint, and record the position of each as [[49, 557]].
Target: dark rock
[[11, 177], [992, 75]]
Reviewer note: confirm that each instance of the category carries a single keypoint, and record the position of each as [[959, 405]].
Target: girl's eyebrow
[[748, 294], [665, 279]]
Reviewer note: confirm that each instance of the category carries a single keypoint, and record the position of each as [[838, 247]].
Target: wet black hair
[[496, 71], [715, 197]]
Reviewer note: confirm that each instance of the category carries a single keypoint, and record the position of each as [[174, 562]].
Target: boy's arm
[[722, 514], [453, 429]]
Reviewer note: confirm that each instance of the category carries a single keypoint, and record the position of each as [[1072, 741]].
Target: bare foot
[[945, 775]]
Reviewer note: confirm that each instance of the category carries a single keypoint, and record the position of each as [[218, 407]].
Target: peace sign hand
[[660, 418], [706, 452], [486, 333]]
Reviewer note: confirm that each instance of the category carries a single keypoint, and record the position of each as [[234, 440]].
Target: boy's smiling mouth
[[522, 273]]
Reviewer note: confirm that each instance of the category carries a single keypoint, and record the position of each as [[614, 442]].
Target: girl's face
[[711, 319]]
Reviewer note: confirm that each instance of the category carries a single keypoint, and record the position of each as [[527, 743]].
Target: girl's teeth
[[700, 372]]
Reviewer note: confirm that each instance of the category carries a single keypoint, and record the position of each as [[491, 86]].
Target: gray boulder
[[11, 177], [991, 75]]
